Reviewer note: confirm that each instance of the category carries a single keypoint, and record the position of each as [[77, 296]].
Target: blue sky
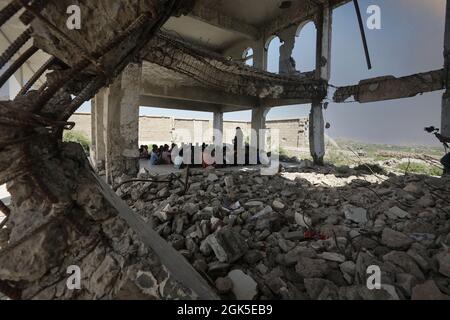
[[410, 41]]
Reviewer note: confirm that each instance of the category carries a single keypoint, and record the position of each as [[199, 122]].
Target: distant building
[[293, 133]]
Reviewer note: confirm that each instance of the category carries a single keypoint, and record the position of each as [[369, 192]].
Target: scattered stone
[[405, 262], [444, 264], [244, 287], [303, 220], [413, 188], [295, 236], [355, 214], [293, 256], [262, 213], [311, 268], [270, 222], [395, 240], [406, 282], [321, 289], [276, 285], [398, 213], [191, 208], [348, 267], [164, 213], [331, 256], [235, 206], [227, 245], [253, 204], [426, 202], [218, 269], [212, 177], [224, 285], [253, 256], [428, 291], [278, 205], [229, 182]]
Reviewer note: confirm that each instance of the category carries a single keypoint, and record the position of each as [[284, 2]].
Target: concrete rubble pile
[[310, 234]]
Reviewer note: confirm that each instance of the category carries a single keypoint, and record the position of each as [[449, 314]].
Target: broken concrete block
[[278, 205], [428, 291], [303, 220], [212, 177], [444, 264], [332, 256], [224, 285], [355, 214], [311, 268], [395, 240], [397, 212], [227, 244], [244, 287]]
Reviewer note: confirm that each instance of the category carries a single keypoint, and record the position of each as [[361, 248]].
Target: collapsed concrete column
[[445, 116], [98, 155], [323, 68], [287, 62], [257, 138], [121, 118]]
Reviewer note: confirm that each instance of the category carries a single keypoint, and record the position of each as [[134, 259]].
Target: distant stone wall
[[161, 130]]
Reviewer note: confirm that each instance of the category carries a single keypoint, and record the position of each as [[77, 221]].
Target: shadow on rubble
[[314, 233]]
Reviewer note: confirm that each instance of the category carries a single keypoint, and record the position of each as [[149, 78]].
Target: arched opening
[[248, 57], [273, 54], [304, 52]]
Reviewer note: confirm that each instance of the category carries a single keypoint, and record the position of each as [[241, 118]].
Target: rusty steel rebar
[[49, 91], [3, 208], [9, 11], [36, 76], [17, 64], [15, 47], [27, 17], [86, 55]]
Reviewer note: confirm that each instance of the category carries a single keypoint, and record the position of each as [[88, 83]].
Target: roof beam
[[390, 88], [177, 104], [223, 21], [196, 94]]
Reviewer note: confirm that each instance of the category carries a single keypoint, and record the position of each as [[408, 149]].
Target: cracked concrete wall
[[161, 130]]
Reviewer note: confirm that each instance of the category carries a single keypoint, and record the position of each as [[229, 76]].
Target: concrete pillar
[[218, 129], [287, 62], [260, 55], [323, 52], [317, 133], [259, 115], [323, 67], [121, 118], [98, 155], [445, 117]]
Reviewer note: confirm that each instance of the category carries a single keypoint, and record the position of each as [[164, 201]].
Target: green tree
[[78, 137]]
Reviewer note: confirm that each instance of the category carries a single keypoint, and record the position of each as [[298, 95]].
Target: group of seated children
[[157, 156], [163, 154]]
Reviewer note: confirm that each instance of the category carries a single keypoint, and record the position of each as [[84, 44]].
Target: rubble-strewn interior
[[309, 230]]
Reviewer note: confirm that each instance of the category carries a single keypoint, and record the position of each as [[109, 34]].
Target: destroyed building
[[204, 234]]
